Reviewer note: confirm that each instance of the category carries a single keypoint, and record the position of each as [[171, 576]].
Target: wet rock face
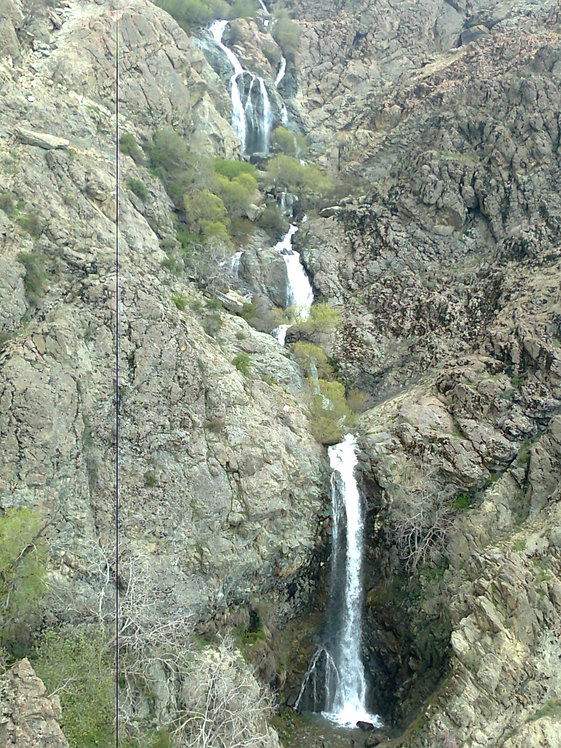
[[28, 717]]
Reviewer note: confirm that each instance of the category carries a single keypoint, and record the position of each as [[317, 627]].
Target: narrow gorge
[[337, 405]]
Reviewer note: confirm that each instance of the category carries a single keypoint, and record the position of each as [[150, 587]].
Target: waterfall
[[338, 664], [281, 71], [299, 291], [252, 117], [265, 9], [347, 703], [279, 333], [235, 264]]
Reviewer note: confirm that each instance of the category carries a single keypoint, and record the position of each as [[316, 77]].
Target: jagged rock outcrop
[[448, 274], [29, 718]]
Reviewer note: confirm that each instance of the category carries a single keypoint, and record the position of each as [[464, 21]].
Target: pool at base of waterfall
[[350, 716], [313, 730]]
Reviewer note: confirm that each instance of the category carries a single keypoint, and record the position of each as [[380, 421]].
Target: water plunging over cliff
[[299, 289], [342, 697], [299, 292], [281, 72], [252, 117]]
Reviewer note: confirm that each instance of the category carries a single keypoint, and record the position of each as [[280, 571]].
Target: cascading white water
[[281, 71], [235, 264], [252, 117], [345, 686], [279, 333], [238, 114], [299, 290]]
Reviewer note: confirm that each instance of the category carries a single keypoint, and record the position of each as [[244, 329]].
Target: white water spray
[[252, 117], [281, 71], [345, 686], [235, 264], [299, 290]]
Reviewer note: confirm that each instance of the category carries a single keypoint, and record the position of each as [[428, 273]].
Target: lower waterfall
[[341, 693]]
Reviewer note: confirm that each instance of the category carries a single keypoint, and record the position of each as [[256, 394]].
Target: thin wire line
[[117, 374]]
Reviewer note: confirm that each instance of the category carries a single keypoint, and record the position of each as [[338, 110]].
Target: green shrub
[[174, 162], [463, 501], [243, 9], [236, 193], [203, 209], [289, 174], [188, 240], [32, 223], [190, 13], [150, 479], [242, 362], [273, 222], [214, 304], [323, 318], [233, 168], [7, 203], [35, 276], [216, 231], [290, 143], [79, 664], [287, 35], [23, 557], [179, 300], [329, 413], [311, 357], [138, 187], [129, 146]]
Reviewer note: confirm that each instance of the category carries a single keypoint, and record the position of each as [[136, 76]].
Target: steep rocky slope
[[220, 480], [449, 273], [444, 118]]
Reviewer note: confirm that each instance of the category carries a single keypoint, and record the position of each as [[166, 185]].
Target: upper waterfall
[[252, 117]]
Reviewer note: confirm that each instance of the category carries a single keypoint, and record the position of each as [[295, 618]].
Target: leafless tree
[[225, 707], [420, 518]]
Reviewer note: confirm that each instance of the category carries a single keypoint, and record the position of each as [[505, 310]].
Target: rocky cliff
[[441, 120]]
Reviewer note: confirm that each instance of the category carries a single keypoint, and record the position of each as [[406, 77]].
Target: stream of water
[[252, 117], [335, 683]]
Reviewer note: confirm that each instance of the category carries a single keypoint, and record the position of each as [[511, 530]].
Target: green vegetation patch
[[288, 142], [190, 13], [330, 415], [286, 33], [322, 318], [35, 279], [78, 663], [23, 557], [129, 146], [32, 223], [289, 174], [180, 300], [138, 188], [312, 359], [242, 362]]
